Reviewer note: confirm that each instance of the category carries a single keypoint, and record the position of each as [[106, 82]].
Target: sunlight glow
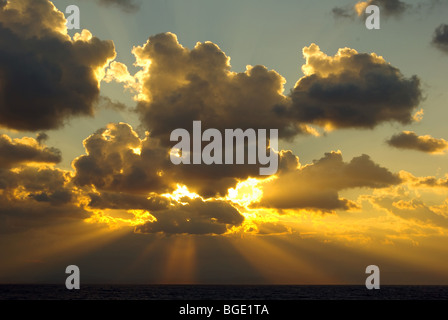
[[180, 193], [246, 192], [137, 151], [139, 217]]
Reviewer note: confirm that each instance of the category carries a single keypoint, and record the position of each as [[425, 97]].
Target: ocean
[[221, 292]]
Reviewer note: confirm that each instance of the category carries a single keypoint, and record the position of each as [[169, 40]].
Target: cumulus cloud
[[14, 152], [351, 90], [410, 140], [180, 85], [317, 185], [116, 160], [47, 77], [176, 86], [440, 38], [120, 171]]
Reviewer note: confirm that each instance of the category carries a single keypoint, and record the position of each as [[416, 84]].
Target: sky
[[86, 117]]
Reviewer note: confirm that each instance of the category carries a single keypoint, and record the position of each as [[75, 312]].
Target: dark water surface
[[220, 292]]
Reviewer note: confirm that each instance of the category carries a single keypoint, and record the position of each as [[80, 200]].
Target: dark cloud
[[351, 90], [117, 160], [46, 76], [33, 197], [126, 201], [18, 151], [181, 85], [177, 86], [41, 138], [440, 38], [317, 185], [38, 195], [388, 8], [125, 5], [195, 217], [410, 140], [27, 214], [343, 12], [122, 172], [34, 179]]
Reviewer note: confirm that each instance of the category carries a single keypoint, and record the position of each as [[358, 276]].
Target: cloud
[[317, 185], [14, 152], [126, 201], [33, 197], [33, 193], [41, 137], [351, 90], [195, 217], [387, 8], [426, 182], [343, 12], [176, 86], [269, 228], [410, 140], [117, 160], [440, 38], [47, 76], [34, 180], [28, 214], [108, 103], [411, 209], [180, 85], [120, 172], [119, 72], [125, 5]]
